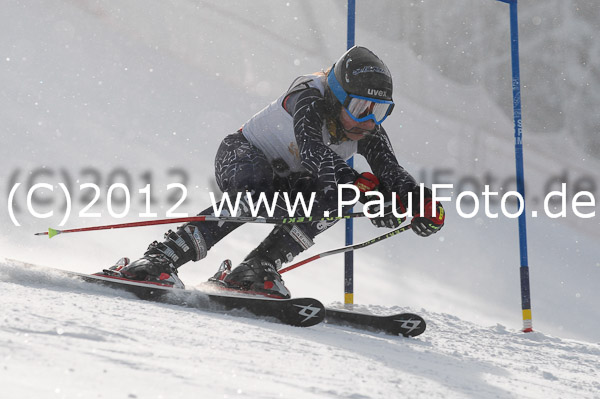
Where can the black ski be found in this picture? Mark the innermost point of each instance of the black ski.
(301, 312)
(406, 324)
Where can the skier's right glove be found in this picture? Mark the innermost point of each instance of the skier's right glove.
(388, 219)
(369, 182)
(366, 182)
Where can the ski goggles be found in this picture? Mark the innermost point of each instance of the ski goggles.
(360, 108)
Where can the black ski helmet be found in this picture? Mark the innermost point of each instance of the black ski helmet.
(360, 72)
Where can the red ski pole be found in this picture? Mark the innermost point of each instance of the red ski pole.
(204, 218)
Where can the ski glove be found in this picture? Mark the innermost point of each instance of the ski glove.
(423, 223)
(388, 219)
(369, 182)
(366, 182)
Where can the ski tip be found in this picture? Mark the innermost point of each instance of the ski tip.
(52, 232)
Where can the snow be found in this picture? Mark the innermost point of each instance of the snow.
(66, 339)
(110, 91)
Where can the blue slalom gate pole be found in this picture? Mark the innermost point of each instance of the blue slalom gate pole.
(516, 88)
(349, 256)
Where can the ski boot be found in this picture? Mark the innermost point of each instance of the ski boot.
(258, 272)
(253, 276)
(161, 260)
(154, 268)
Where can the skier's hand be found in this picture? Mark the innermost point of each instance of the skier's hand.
(424, 224)
(366, 182)
(388, 219)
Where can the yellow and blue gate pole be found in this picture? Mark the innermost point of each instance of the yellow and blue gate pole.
(518, 122)
(349, 256)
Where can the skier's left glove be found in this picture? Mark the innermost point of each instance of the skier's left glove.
(431, 219)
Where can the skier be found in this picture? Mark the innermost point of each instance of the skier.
(298, 144)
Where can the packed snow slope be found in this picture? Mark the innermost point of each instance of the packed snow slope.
(67, 339)
(142, 92)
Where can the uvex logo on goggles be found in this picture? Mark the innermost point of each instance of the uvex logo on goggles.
(360, 108)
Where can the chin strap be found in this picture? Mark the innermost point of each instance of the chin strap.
(354, 130)
(336, 131)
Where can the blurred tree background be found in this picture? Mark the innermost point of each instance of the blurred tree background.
(559, 48)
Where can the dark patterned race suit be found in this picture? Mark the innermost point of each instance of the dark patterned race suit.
(241, 166)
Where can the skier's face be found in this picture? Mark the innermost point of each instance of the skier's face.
(355, 130)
